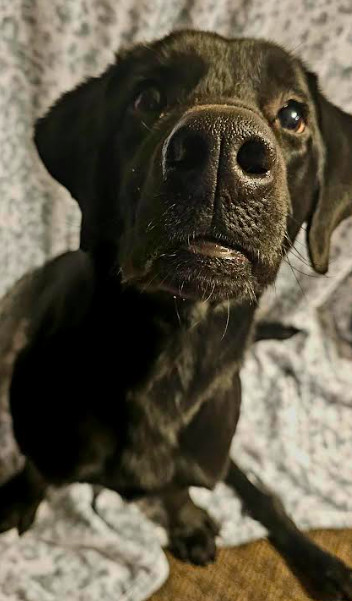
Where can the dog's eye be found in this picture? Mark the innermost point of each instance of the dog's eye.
(150, 100)
(292, 117)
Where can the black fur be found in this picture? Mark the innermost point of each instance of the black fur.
(130, 379)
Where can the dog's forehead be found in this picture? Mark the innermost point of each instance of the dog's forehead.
(245, 67)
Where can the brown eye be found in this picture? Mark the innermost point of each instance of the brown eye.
(292, 117)
(149, 100)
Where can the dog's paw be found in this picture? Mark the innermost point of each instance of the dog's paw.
(20, 497)
(323, 575)
(192, 536)
(331, 580)
(19, 515)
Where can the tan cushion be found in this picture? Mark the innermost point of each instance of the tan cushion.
(253, 572)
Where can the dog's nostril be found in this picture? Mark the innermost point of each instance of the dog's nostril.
(254, 157)
(185, 150)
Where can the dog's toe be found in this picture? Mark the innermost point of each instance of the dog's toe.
(193, 540)
(336, 581)
(326, 577)
(19, 515)
(19, 500)
(196, 547)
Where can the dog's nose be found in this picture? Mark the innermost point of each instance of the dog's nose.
(254, 157)
(207, 136)
(186, 150)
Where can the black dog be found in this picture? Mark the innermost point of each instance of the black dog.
(195, 160)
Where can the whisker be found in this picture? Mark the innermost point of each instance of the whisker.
(251, 293)
(294, 49)
(146, 126)
(299, 257)
(302, 226)
(308, 275)
(296, 278)
(181, 288)
(296, 253)
(211, 294)
(177, 311)
(227, 321)
(148, 284)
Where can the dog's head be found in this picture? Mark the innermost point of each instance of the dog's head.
(197, 159)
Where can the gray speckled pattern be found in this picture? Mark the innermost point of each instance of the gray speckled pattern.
(295, 428)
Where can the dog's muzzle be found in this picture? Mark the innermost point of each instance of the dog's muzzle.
(218, 199)
(211, 137)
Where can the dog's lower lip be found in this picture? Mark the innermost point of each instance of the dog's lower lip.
(216, 250)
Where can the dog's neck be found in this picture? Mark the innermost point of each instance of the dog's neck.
(173, 313)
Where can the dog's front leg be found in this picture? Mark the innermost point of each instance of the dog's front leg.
(20, 497)
(325, 576)
(191, 530)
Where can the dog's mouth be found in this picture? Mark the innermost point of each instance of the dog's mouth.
(217, 249)
(201, 268)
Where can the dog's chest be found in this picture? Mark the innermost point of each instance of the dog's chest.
(195, 368)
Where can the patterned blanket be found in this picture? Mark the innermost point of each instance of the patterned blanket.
(295, 427)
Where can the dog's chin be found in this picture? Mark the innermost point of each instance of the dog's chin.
(204, 271)
(205, 289)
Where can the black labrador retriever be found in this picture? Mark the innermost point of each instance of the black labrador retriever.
(195, 160)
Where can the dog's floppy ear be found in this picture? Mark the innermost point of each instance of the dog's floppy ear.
(334, 200)
(70, 136)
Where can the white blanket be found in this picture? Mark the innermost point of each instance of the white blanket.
(295, 427)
